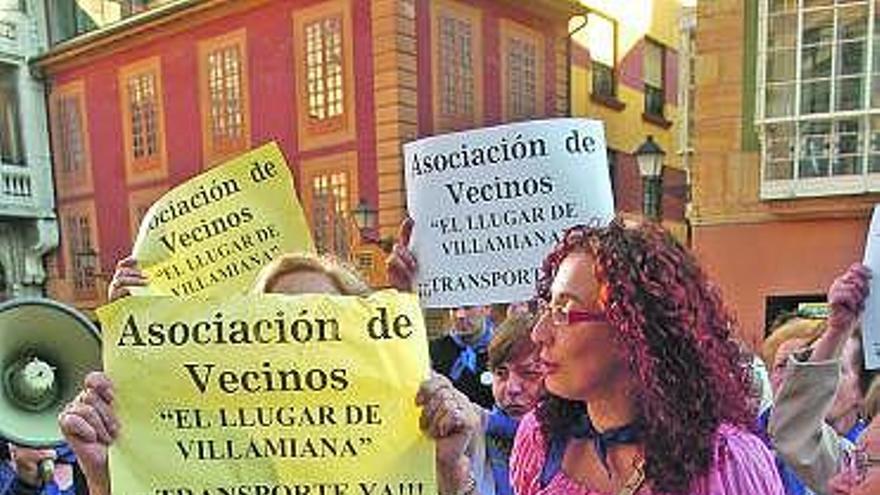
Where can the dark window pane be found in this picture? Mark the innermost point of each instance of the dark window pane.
(851, 58)
(653, 101)
(816, 62)
(815, 142)
(849, 93)
(815, 96)
(847, 165)
(603, 80)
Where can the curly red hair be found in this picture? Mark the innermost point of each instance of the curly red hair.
(670, 323)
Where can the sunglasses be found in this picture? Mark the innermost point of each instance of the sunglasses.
(560, 316)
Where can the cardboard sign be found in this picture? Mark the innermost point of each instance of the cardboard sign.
(871, 318)
(489, 204)
(264, 394)
(213, 233)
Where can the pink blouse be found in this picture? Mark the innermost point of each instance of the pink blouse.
(743, 466)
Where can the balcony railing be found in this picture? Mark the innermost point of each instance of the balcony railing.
(17, 191)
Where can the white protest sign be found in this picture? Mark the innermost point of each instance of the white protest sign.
(490, 203)
(871, 319)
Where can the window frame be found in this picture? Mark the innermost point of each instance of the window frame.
(17, 139)
(341, 128)
(327, 165)
(510, 30)
(829, 185)
(76, 211)
(70, 182)
(474, 17)
(154, 167)
(615, 33)
(648, 41)
(211, 155)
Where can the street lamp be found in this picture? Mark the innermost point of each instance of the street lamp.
(650, 158)
(365, 217)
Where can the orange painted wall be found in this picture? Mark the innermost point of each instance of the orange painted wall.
(753, 261)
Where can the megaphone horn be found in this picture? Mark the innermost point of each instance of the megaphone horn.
(30, 383)
(46, 350)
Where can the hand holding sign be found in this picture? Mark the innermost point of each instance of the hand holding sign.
(846, 298)
(401, 264)
(126, 277)
(89, 425)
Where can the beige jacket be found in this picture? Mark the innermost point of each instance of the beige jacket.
(797, 424)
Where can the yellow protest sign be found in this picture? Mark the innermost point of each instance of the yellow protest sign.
(213, 233)
(268, 395)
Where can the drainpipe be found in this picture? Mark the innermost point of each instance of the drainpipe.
(568, 62)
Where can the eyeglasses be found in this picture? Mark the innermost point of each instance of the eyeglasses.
(563, 316)
(858, 462)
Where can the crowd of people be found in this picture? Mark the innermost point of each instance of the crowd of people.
(623, 376)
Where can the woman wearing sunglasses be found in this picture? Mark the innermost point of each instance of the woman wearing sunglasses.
(646, 391)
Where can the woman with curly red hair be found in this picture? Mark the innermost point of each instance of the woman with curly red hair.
(646, 390)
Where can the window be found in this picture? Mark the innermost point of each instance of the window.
(224, 96)
(142, 103)
(458, 75)
(70, 134)
(82, 255)
(817, 90)
(522, 78)
(324, 68)
(653, 67)
(457, 68)
(601, 35)
(10, 131)
(330, 184)
(324, 89)
(142, 120)
(329, 212)
(522, 65)
(70, 139)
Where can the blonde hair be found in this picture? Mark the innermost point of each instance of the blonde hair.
(808, 329)
(344, 278)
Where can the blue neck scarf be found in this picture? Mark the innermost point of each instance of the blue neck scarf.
(603, 440)
(467, 353)
(856, 431)
(500, 432)
(583, 429)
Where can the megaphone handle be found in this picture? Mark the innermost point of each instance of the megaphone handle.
(46, 470)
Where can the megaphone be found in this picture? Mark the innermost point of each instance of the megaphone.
(46, 350)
